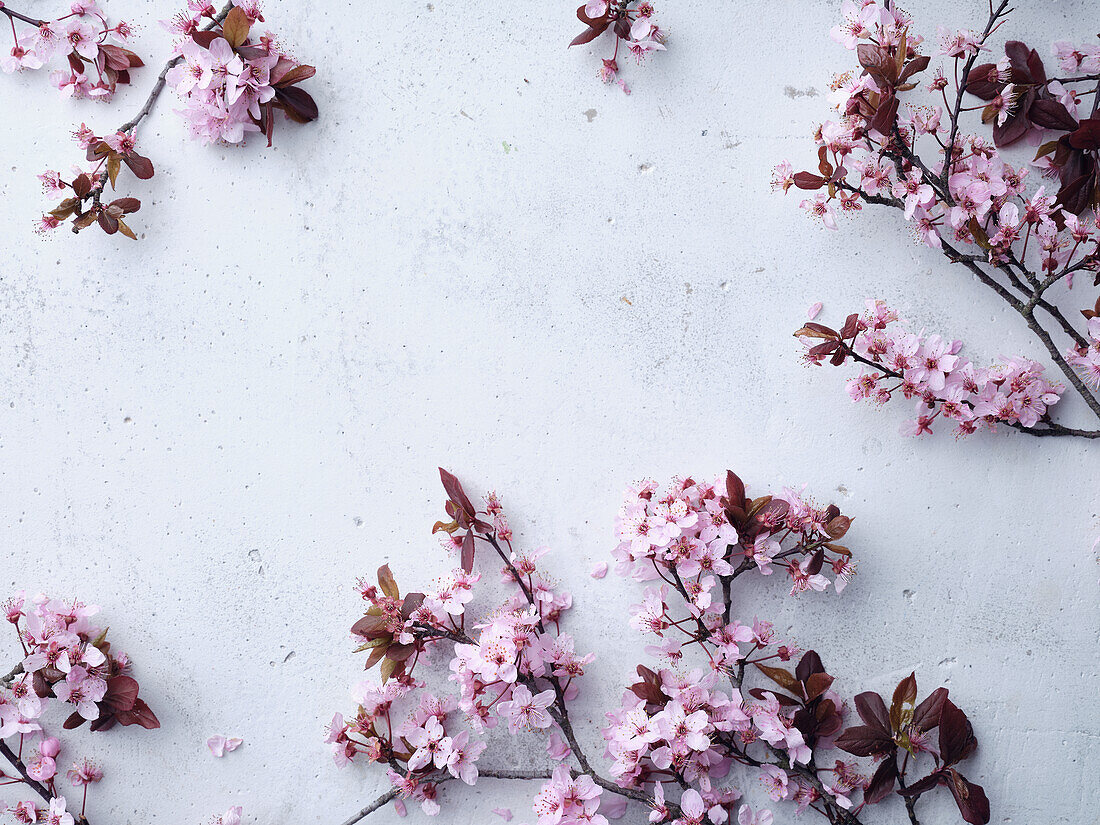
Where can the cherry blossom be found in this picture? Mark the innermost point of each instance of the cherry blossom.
(632, 26)
(900, 139)
(722, 691)
(930, 371)
(230, 80)
(96, 62)
(65, 664)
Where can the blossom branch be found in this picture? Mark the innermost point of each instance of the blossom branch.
(9, 677)
(22, 17)
(390, 795)
(36, 786)
(231, 80)
(675, 728)
(131, 125)
(972, 198)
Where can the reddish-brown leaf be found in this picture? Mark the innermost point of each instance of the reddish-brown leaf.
(872, 710)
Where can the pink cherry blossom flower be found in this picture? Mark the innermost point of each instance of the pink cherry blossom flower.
(692, 808)
(525, 710)
(41, 767)
(84, 773)
(57, 815)
(819, 207)
(83, 691)
(20, 57)
(81, 38)
(463, 756)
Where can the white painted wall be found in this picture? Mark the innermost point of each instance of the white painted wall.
(482, 257)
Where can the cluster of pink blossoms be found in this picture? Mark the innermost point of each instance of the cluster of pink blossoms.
(511, 669)
(230, 85)
(681, 729)
(930, 370)
(67, 662)
(96, 61)
(632, 26)
(83, 194)
(678, 724)
(964, 198)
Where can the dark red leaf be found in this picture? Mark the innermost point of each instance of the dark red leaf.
(649, 692)
(885, 116)
(864, 740)
(971, 798)
(297, 102)
(808, 665)
(1019, 58)
(984, 81)
(956, 734)
(75, 720)
(141, 715)
(127, 205)
(784, 678)
(204, 38)
(1087, 134)
(915, 66)
(141, 166)
(1007, 133)
(295, 75)
(904, 694)
(411, 602)
(883, 780)
(108, 223)
(808, 180)
(370, 627)
(924, 785)
(589, 34)
(122, 693)
(468, 552)
(82, 185)
(735, 489)
(872, 710)
(592, 21)
(1050, 114)
(454, 490)
(926, 715)
(817, 684)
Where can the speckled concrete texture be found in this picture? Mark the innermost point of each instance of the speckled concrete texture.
(483, 258)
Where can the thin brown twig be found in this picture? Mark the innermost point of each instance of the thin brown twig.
(29, 20)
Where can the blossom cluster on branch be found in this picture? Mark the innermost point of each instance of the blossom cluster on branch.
(900, 141)
(630, 24)
(96, 63)
(231, 81)
(931, 371)
(66, 664)
(723, 690)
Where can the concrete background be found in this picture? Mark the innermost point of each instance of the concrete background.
(483, 258)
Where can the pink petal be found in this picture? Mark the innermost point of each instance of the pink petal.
(814, 310)
(504, 813)
(600, 570)
(216, 745)
(233, 743)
